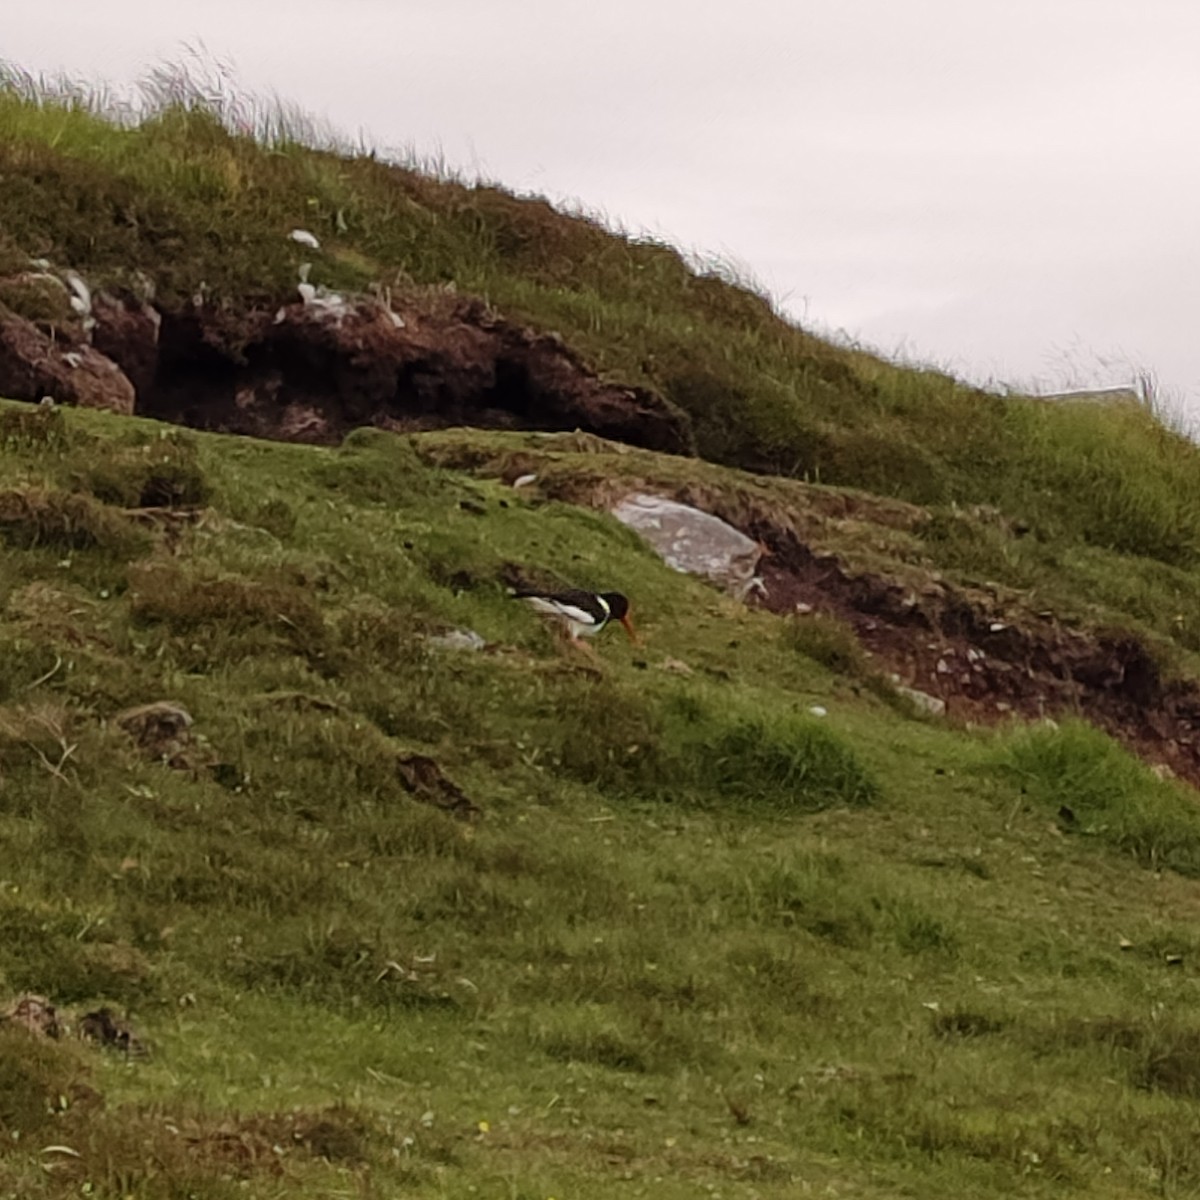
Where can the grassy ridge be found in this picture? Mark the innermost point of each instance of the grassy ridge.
(180, 200)
(700, 940)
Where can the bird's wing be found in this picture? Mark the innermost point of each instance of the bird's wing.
(561, 607)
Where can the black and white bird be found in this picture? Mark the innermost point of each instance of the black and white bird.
(583, 614)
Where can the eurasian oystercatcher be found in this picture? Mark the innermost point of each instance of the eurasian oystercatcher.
(582, 613)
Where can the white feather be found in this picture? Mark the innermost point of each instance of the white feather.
(578, 620)
(552, 608)
(81, 300)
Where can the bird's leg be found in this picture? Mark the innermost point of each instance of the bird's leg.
(586, 647)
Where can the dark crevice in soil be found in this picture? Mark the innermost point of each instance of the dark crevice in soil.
(306, 374)
(313, 371)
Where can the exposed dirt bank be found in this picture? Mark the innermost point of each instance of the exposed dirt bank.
(312, 370)
(988, 660)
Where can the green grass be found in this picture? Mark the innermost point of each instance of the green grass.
(1084, 776)
(700, 941)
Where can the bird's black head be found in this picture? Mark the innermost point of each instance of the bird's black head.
(618, 610)
(618, 605)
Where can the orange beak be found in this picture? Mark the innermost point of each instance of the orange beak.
(629, 629)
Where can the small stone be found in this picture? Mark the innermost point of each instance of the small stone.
(36, 1014)
(932, 706)
(676, 666)
(458, 639)
(162, 731)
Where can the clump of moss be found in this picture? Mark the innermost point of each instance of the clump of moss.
(38, 1080)
(34, 428)
(162, 473)
(230, 616)
(33, 516)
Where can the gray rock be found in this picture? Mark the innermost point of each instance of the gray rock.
(457, 639)
(931, 705)
(692, 541)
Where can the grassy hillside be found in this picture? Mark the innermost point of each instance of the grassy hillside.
(718, 915)
(179, 202)
(698, 940)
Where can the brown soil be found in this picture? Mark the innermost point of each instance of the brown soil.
(34, 364)
(311, 372)
(423, 778)
(34, 1013)
(987, 660)
(107, 1029)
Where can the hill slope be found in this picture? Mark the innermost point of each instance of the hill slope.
(344, 908)
(181, 209)
(695, 938)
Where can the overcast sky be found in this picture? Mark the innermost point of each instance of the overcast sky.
(1007, 188)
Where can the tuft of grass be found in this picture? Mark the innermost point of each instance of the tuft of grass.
(1110, 476)
(162, 472)
(373, 467)
(45, 956)
(39, 1080)
(829, 641)
(641, 1042)
(610, 736)
(604, 1046)
(965, 1023)
(1105, 792)
(789, 763)
(225, 617)
(43, 300)
(816, 893)
(33, 428)
(34, 517)
(1162, 1055)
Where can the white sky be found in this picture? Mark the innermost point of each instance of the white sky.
(1007, 188)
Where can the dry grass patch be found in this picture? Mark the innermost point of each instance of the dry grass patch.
(39, 1081)
(228, 617)
(33, 517)
(34, 428)
(163, 472)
